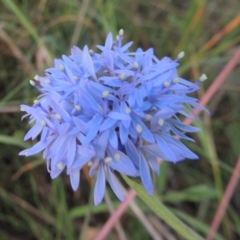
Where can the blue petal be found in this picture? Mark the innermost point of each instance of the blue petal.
(119, 116)
(155, 150)
(108, 59)
(93, 128)
(123, 134)
(109, 41)
(163, 145)
(107, 123)
(113, 140)
(132, 152)
(102, 144)
(117, 189)
(38, 147)
(153, 163)
(75, 179)
(34, 131)
(71, 150)
(99, 186)
(55, 171)
(184, 127)
(81, 125)
(124, 165)
(145, 174)
(88, 63)
(146, 134)
(59, 109)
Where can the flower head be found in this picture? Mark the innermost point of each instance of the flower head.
(115, 110)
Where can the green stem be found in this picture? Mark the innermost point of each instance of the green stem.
(88, 214)
(163, 212)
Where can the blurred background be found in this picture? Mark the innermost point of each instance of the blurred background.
(33, 33)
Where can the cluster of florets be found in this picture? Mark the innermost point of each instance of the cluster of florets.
(115, 111)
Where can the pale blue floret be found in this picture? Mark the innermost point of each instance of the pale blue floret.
(117, 111)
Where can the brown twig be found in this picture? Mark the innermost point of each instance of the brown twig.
(225, 201)
(17, 52)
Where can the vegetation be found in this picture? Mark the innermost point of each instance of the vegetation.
(33, 33)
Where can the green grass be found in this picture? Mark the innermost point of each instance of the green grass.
(32, 33)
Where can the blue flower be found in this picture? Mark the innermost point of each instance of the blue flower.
(115, 110)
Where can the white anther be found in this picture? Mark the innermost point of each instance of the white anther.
(61, 67)
(75, 78)
(128, 110)
(121, 32)
(123, 76)
(47, 80)
(91, 52)
(21, 109)
(32, 82)
(107, 159)
(117, 156)
(160, 121)
(36, 77)
(176, 80)
(90, 163)
(166, 84)
(181, 55)
(58, 116)
(148, 117)
(78, 107)
(43, 123)
(36, 101)
(60, 166)
(136, 65)
(154, 108)
(105, 94)
(139, 128)
(117, 37)
(203, 77)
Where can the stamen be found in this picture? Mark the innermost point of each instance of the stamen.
(60, 165)
(117, 37)
(91, 52)
(160, 121)
(105, 94)
(136, 65)
(123, 76)
(90, 163)
(32, 82)
(58, 116)
(128, 110)
(148, 117)
(121, 32)
(43, 123)
(78, 107)
(203, 77)
(47, 80)
(139, 128)
(166, 84)
(75, 78)
(107, 159)
(61, 67)
(181, 55)
(176, 80)
(117, 156)
(36, 101)
(36, 77)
